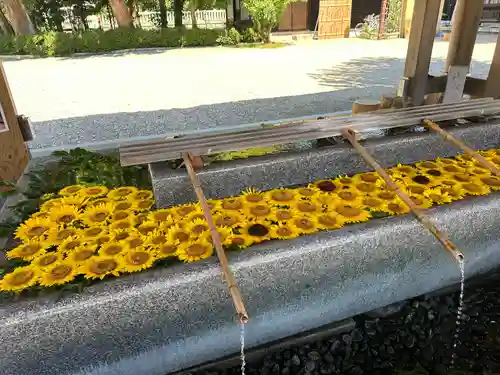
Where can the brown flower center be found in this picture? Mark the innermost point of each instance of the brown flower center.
(496, 160)
(304, 223)
(369, 177)
(282, 196)
(168, 249)
(66, 219)
(326, 186)
(158, 240)
(434, 172)
(417, 200)
(121, 236)
(258, 230)
(143, 195)
(135, 242)
(306, 207)
(139, 257)
(345, 180)
(122, 206)
(21, 277)
(113, 249)
(283, 215)
(327, 220)
(37, 231)
(407, 170)
(47, 260)
(306, 192)
(123, 192)
(466, 157)
(447, 161)
(93, 232)
(121, 215)
(238, 241)
(72, 244)
(429, 165)
(122, 225)
(161, 215)
(146, 229)
(73, 189)
(93, 191)
(102, 267)
(387, 195)
(284, 231)
(226, 221)
(461, 177)
(181, 236)
(100, 216)
(29, 250)
(141, 218)
(473, 188)
(232, 204)
(60, 272)
(82, 255)
(199, 228)
(416, 189)
(421, 180)
(142, 205)
(103, 240)
(396, 207)
(372, 202)
(63, 234)
(451, 169)
(260, 210)
(348, 211)
(491, 181)
(347, 195)
(196, 250)
(254, 198)
(366, 187)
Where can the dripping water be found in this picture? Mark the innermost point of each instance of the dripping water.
(460, 310)
(242, 347)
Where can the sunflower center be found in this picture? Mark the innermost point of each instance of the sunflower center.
(417, 200)
(103, 239)
(369, 177)
(122, 206)
(435, 197)
(306, 207)
(416, 189)
(21, 277)
(347, 195)
(37, 231)
(123, 225)
(282, 196)
(473, 188)
(395, 207)
(121, 236)
(260, 210)
(103, 266)
(254, 198)
(283, 215)
(93, 191)
(434, 172)
(451, 169)
(31, 249)
(168, 249)
(326, 186)
(306, 192)
(139, 257)
(366, 187)
(461, 177)
(284, 231)
(141, 218)
(421, 180)
(66, 219)
(466, 157)
(72, 189)
(258, 230)
(327, 220)
(135, 242)
(144, 204)
(199, 228)
(183, 211)
(113, 249)
(121, 215)
(181, 236)
(447, 161)
(345, 180)
(100, 216)
(372, 202)
(428, 165)
(93, 231)
(496, 160)
(72, 245)
(231, 204)
(60, 271)
(122, 192)
(304, 223)
(196, 250)
(491, 181)
(238, 241)
(226, 221)
(82, 255)
(47, 260)
(143, 195)
(387, 195)
(161, 216)
(348, 211)
(158, 240)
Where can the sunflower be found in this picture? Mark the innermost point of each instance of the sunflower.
(122, 192)
(404, 171)
(137, 260)
(455, 191)
(349, 197)
(345, 180)
(421, 179)
(81, 254)
(122, 215)
(197, 227)
(241, 241)
(41, 215)
(351, 214)
(74, 200)
(229, 219)
(99, 267)
(64, 214)
(305, 224)
(465, 158)
(386, 195)
(284, 214)
(122, 225)
(123, 234)
(305, 207)
(452, 168)
(177, 234)
(102, 239)
(421, 201)
(143, 204)
(365, 187)
(327, 186)
(445, 161)
(496, 161)
(414, 189)
(71, 243)
(19, 279)
(492, 182)
(50, 204)
(134, 242)
(396, 208)
(475, 188)
(434, 174)
(281, 197)
(256, 231)
(253, 196)
(438, 196)
(124, 205)
(47, 260)
(325, 200)
(193, 251)
(28, 250)
(368, 178)
(97, 215)
(258, 211)
(93, 191)
(34, 229)
(307, 192)
(478, 170)
(141, 218)
(70, 190)
(141, 195)
(165, 250)
(112, 248)
(59, 274)
(372, 203)
(58, 234)
(225, 235)
(183, 210)
(284, 231)
(160, 215)
(426, 165)
(196, 215)
(329, 221)
(147, 227)
(97, 202)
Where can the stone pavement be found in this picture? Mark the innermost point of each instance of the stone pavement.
(108, 97)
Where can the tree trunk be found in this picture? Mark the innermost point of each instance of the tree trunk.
(5, 25)
(163, 14)
(192, 8)
(121, 13)
(178, 5)
(18, 17)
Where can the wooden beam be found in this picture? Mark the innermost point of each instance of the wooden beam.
(493, 82)
(467, 17)
(14, 155)
(418, 57)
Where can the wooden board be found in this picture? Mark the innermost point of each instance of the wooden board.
(334, 19)
(13, 152)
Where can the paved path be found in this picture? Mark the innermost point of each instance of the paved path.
(75, 100)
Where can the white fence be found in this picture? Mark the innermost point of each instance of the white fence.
(206, 19)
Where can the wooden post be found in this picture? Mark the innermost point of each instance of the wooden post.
(493, 81)
(14, 155)
(406, 16)
(383, 16)
(418, 57)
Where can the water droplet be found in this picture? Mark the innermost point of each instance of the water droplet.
(461, 263)
(242, 348)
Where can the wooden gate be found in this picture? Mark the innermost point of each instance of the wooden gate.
(334, 19)
(294, 17)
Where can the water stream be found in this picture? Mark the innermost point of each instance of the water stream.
(460, 310)
(242, 347)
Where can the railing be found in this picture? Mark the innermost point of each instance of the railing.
(492, 2)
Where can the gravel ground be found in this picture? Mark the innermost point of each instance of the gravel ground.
(101, 98)
(416, 340)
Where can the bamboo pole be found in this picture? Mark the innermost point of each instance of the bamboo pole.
(228, 275)
(450, 138)
(424, 219)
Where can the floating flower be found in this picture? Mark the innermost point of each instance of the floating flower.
(73, 200)
(197, 227)
(372, 203)
(49, 205)
(284, 231)
(305, 224)
(478, 170)
(19, 279)
(41, 215)
(465, 158)
(147, 227)
(92, 233)
(64, 214)
(365, 187)
(178, 234)
(122, 192)
(112, 248)
(97, 215)
(122, 234)
(284, 214)
(345, 180)
(137, 260)
(225, 235)
(404, 170)
(102, 239)
(305, 207)
(351, 197)
(240, 241)
(421, 201)
(257, 232)
(47, 260)
(252, 196)
(143, 204)
(420, 179)
(425, 165)
(193, 251)
(438, 196)
(281, 197)
(160, 215)
(28, 250)
(71, 243)
(59, 274)
(97, 202)
(186, 209)
(308, 192)
(134, 242)
(101, 266)
(34, 229)
(445, 162)
(229, 219)
(141, 218)
(166, 250)
(351, 214)
(93, 191)
(81, 254)
(58, 234)
(156, 237)
(327, 186)
(371, 178)
(141, 195)
(122, 215)
(452, 168)
(70, 190)
(122, 225)
(434, 174)
(415, 189)
(473, 188)
(386, 195)
(125, 205)
(492, 182)
(257, 211)
(396, 208)
(329, 221)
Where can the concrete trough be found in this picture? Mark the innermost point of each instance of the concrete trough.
(169, 319)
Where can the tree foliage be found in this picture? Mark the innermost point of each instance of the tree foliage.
(266, 14)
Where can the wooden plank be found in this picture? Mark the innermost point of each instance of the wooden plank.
(418, 57)
(492, 88)
(14, 155)
(473, 86)
(455, 84)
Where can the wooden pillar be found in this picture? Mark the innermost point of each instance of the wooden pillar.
(13, 152)
(418, 57)
(406, 14)
(493, 81)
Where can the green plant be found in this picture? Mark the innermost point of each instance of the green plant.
(265, 15)
(249, 35)
(230, 37)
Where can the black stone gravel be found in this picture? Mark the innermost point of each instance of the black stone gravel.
(418, 339)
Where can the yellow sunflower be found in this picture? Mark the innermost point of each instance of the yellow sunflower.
(284, 214)
(329, 220)
(143, 204)
(34, 229)
(305, 207)
(147, 227)
(123, 234)
(281, 197)
(256, 231)
(122, 225)
(28, 250)
(415, 189)
(327, 186)
(141, 218)
(404, 170)
(165, 250)
(367, 178)
(124, 205)
(386, 195)
(47, 260)
(229, 219)
(123, 192)
(97, 215)
(372, 203)
(478, 170)
(322, 199)
(240, 241)
(73, 200)
(156, 237)
(99, 267)
(492, 182)
(232, 204)
(351, 214)
(97, 202)
(141, 195)
(50, 204)
(19, 279)
(258, 211)
(307, 192)
(197, 227)
(452, 168)
(193, 251)
(102, 239)
(92, 233)
(184, 210)
(58, 234)
(71, 243)
(465, 158)
(425, 165)
(438, 196)
(41, 215)
(70, 190)
(137, 260)
(305, 224)
(350, 197)
(123, 215)
(93, 191)
(195, 215)
(225, 235)
(284, 231)
(345, 180)
(160, 215)
(421, 201)
(178, 234)
(396, 208)
(81, 254)
(253, 196)
(134, 242)
(112, 248)
(59, 274)
(64, 214)
(475, 188)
